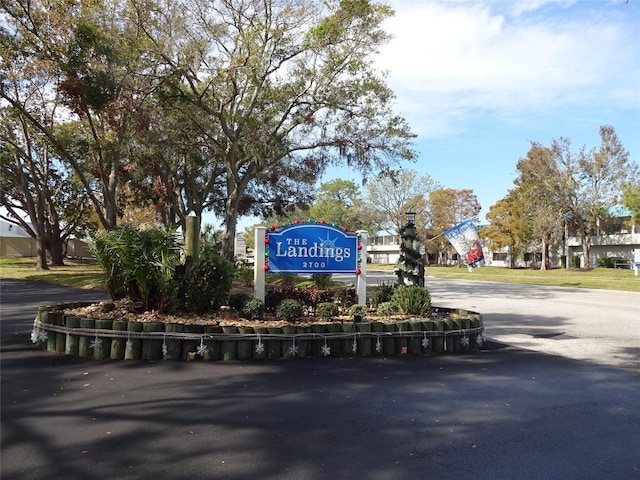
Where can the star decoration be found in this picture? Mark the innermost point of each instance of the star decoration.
(325, 350)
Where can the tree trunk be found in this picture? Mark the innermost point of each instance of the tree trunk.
(234, 192)
(55, 245)
(586, 250)
(544, 264)
(228, 235)
(41, 254)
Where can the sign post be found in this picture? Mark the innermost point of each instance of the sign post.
(258, 263)
(361, 279)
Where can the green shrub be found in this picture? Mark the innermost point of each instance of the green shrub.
(253, 309)
(313, 296)
(327, 310)
(140, 263)
(237, 301)
(358, 309)
(383, 292)
(412, 300)
(208, 282)
(387, 308)
(245, 276)
(275, 295)
(609, 262)
(290, 310)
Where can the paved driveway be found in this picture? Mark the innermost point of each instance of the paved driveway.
(599, 326)
(503, 413)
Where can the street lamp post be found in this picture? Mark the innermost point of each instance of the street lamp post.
(410, 257)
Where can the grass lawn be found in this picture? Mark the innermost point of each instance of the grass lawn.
(87, 274)
(603, 278)
(75, 273)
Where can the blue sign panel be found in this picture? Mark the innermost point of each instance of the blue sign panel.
(312, 248)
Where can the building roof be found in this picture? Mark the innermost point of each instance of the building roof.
(9, 230)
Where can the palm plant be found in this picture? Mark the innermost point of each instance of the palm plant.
(140, 263)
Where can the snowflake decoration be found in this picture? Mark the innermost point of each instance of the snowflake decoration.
(259, 346)
(129, 346)
(293, 349)
(202, 348)
(464, 341)
(425, 342)
(378, 345)
(354, 347)
(67, 349)
(325, 349)
(95, 343)
(165, 349)
(43, 335)
(480, 340)
(34, 335)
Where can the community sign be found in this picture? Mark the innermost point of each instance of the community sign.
(312, 248)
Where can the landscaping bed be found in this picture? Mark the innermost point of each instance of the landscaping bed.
(116, 331)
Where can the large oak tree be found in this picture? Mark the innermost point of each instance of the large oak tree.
(278, 90)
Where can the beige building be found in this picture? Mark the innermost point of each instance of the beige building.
(16, 242)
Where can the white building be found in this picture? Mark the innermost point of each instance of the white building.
(614, 238)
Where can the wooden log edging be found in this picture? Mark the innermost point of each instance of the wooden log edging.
(415, 337)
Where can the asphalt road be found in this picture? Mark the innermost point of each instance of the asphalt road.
(502, 413)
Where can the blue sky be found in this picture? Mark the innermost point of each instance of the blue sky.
(479, 80)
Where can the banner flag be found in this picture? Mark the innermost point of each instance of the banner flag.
(464, 237)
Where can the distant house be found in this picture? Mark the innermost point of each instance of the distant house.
(16, 242)
(384, 248)
(614, 237)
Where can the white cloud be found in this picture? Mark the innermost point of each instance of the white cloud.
(449, 60)
(522, 7)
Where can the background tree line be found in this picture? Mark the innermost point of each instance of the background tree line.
(559, 191)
